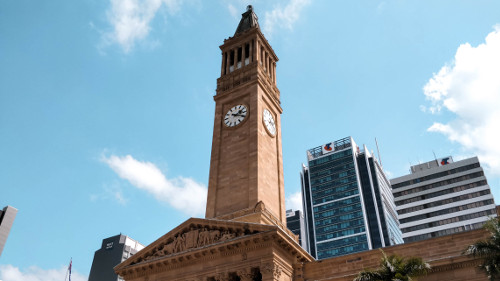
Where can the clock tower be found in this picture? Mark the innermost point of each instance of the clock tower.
(246, 167)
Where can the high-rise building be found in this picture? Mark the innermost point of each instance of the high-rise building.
(113, 251)
(296, 223)
(347, 201)
(7, 216)
(442, 197)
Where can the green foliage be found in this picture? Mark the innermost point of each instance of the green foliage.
(395, 268)
(488, 250)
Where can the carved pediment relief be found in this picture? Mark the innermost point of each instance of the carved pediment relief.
(194, 238)
(195, 234)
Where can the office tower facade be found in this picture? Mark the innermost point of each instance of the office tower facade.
(113, 251)
(7, 216)
(296, 223)
(442, 197)
(348, 202)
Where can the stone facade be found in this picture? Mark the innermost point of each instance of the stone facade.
(244, 235)
(213, 250)
(444, 254)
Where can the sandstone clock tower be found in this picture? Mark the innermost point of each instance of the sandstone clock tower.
(244, 235)
(246, 169)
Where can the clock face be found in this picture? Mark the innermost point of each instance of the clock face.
(235, 115)
(269, 122)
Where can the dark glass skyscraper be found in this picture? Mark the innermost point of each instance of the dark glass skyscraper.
(348, 202)
(296, 223)
(113, 251)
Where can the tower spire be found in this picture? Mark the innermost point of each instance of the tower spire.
(248, 20)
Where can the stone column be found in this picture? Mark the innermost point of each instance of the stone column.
(243, 53)
(256, 51)
(228, 54)
(274, 72)
(222, 65)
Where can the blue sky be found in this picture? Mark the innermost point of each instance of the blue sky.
(106, 108)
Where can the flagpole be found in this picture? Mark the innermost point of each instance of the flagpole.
(68, 272)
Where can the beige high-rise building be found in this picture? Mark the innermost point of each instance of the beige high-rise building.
(244, 236)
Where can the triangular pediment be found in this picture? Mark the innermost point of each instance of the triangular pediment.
(193, 235)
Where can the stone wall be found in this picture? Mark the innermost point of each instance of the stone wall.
(444, 254)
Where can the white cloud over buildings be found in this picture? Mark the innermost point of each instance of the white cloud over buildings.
(469, 87)
(294, 201)
(183, 194)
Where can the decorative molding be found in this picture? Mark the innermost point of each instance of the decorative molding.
(195, 237)
(272, 269)
(455, 265)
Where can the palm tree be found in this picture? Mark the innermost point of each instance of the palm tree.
(395, 268)
(488, 250)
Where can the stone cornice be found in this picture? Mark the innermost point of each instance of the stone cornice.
(239, 245)
(233, 238)
(235, 41)
(242, 78)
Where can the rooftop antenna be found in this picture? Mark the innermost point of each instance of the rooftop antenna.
(435, 158)
(378, 152)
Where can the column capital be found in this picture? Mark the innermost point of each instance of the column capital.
(271, 271)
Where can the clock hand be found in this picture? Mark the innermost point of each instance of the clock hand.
(238, 114)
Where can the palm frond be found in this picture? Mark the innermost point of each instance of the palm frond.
(368, 276)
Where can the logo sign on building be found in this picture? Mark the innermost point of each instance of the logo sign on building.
(445, 161)
(109, 245)
(327, 148)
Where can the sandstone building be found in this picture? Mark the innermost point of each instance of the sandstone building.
(244, 236)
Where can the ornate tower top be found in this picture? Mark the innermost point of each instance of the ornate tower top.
(248, 20)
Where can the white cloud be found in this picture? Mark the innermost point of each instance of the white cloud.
(470, 89)
(294, 201)
(283, 17)
(131, 19)
(33, 273)
(233, 11)
(184, 194)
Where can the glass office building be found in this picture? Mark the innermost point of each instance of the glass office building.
(296, 224)
(113, 251)
(348, 202)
